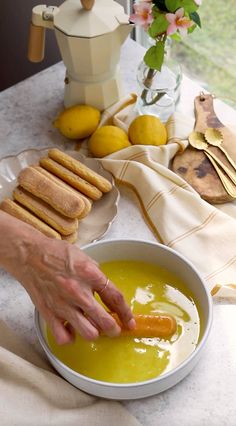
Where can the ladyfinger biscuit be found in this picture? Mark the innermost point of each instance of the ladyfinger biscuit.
(64, 225)
(60, 171)
(44, 188)
(72, 238)
(14, 209)
(87, 202)
(149, 326)
(80, 169)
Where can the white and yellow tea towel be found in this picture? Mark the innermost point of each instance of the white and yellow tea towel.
(180, 219)
(32, 393)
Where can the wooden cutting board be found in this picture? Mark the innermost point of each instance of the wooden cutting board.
(194, 166)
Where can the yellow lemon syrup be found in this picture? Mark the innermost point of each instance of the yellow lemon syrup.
(148, 289)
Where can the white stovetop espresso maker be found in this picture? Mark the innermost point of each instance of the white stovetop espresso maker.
(89, 34)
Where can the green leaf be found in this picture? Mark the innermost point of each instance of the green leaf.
(154, 56)
(172, 5)
(191, 29)
(158, 26)
(195, 18)
(188, 5)
(156, 12)
(176, 37)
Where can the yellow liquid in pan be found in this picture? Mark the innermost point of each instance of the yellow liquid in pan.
(148, 289)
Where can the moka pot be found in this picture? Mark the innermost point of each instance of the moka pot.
(89, 35)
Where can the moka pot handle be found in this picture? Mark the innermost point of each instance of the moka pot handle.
(42, 18)
(36, 43)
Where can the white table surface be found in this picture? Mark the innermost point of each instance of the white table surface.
(207, 397)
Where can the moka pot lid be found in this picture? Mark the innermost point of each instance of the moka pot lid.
(75, 21)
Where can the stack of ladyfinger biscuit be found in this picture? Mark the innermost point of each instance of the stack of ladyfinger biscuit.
(56, 194)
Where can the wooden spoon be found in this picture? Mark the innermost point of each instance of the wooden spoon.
(215, 138)
(197, 140)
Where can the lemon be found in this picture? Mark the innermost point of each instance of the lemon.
(106, 140)
(147, 130)
(78, 121)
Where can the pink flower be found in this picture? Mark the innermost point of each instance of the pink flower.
(198, 2)
(178, 22)
(143, 14)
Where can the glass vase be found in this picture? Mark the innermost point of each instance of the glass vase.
(159, 91)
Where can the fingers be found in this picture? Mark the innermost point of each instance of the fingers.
(89, 322)
(88, 317)
(115, 301)
(103, 320)
(112, 297)
(82, 325)
(62, 333)
(68, 296)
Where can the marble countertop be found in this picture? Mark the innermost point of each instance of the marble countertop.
(207, 396)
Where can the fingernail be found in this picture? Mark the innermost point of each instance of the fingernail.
(131, 324)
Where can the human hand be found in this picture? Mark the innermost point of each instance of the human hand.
(61, 281)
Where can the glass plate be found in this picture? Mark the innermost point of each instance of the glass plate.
(103, 211)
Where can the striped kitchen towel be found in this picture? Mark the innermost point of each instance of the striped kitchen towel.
(178, 216)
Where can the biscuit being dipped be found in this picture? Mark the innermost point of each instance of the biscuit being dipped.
(80, 169)
(149, 326)
(57, 197)
(14, 209)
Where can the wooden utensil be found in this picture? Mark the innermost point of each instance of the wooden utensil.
(214, 138)
(195, 167)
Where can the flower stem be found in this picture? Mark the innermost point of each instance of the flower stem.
(148, 80)
(148, 83)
